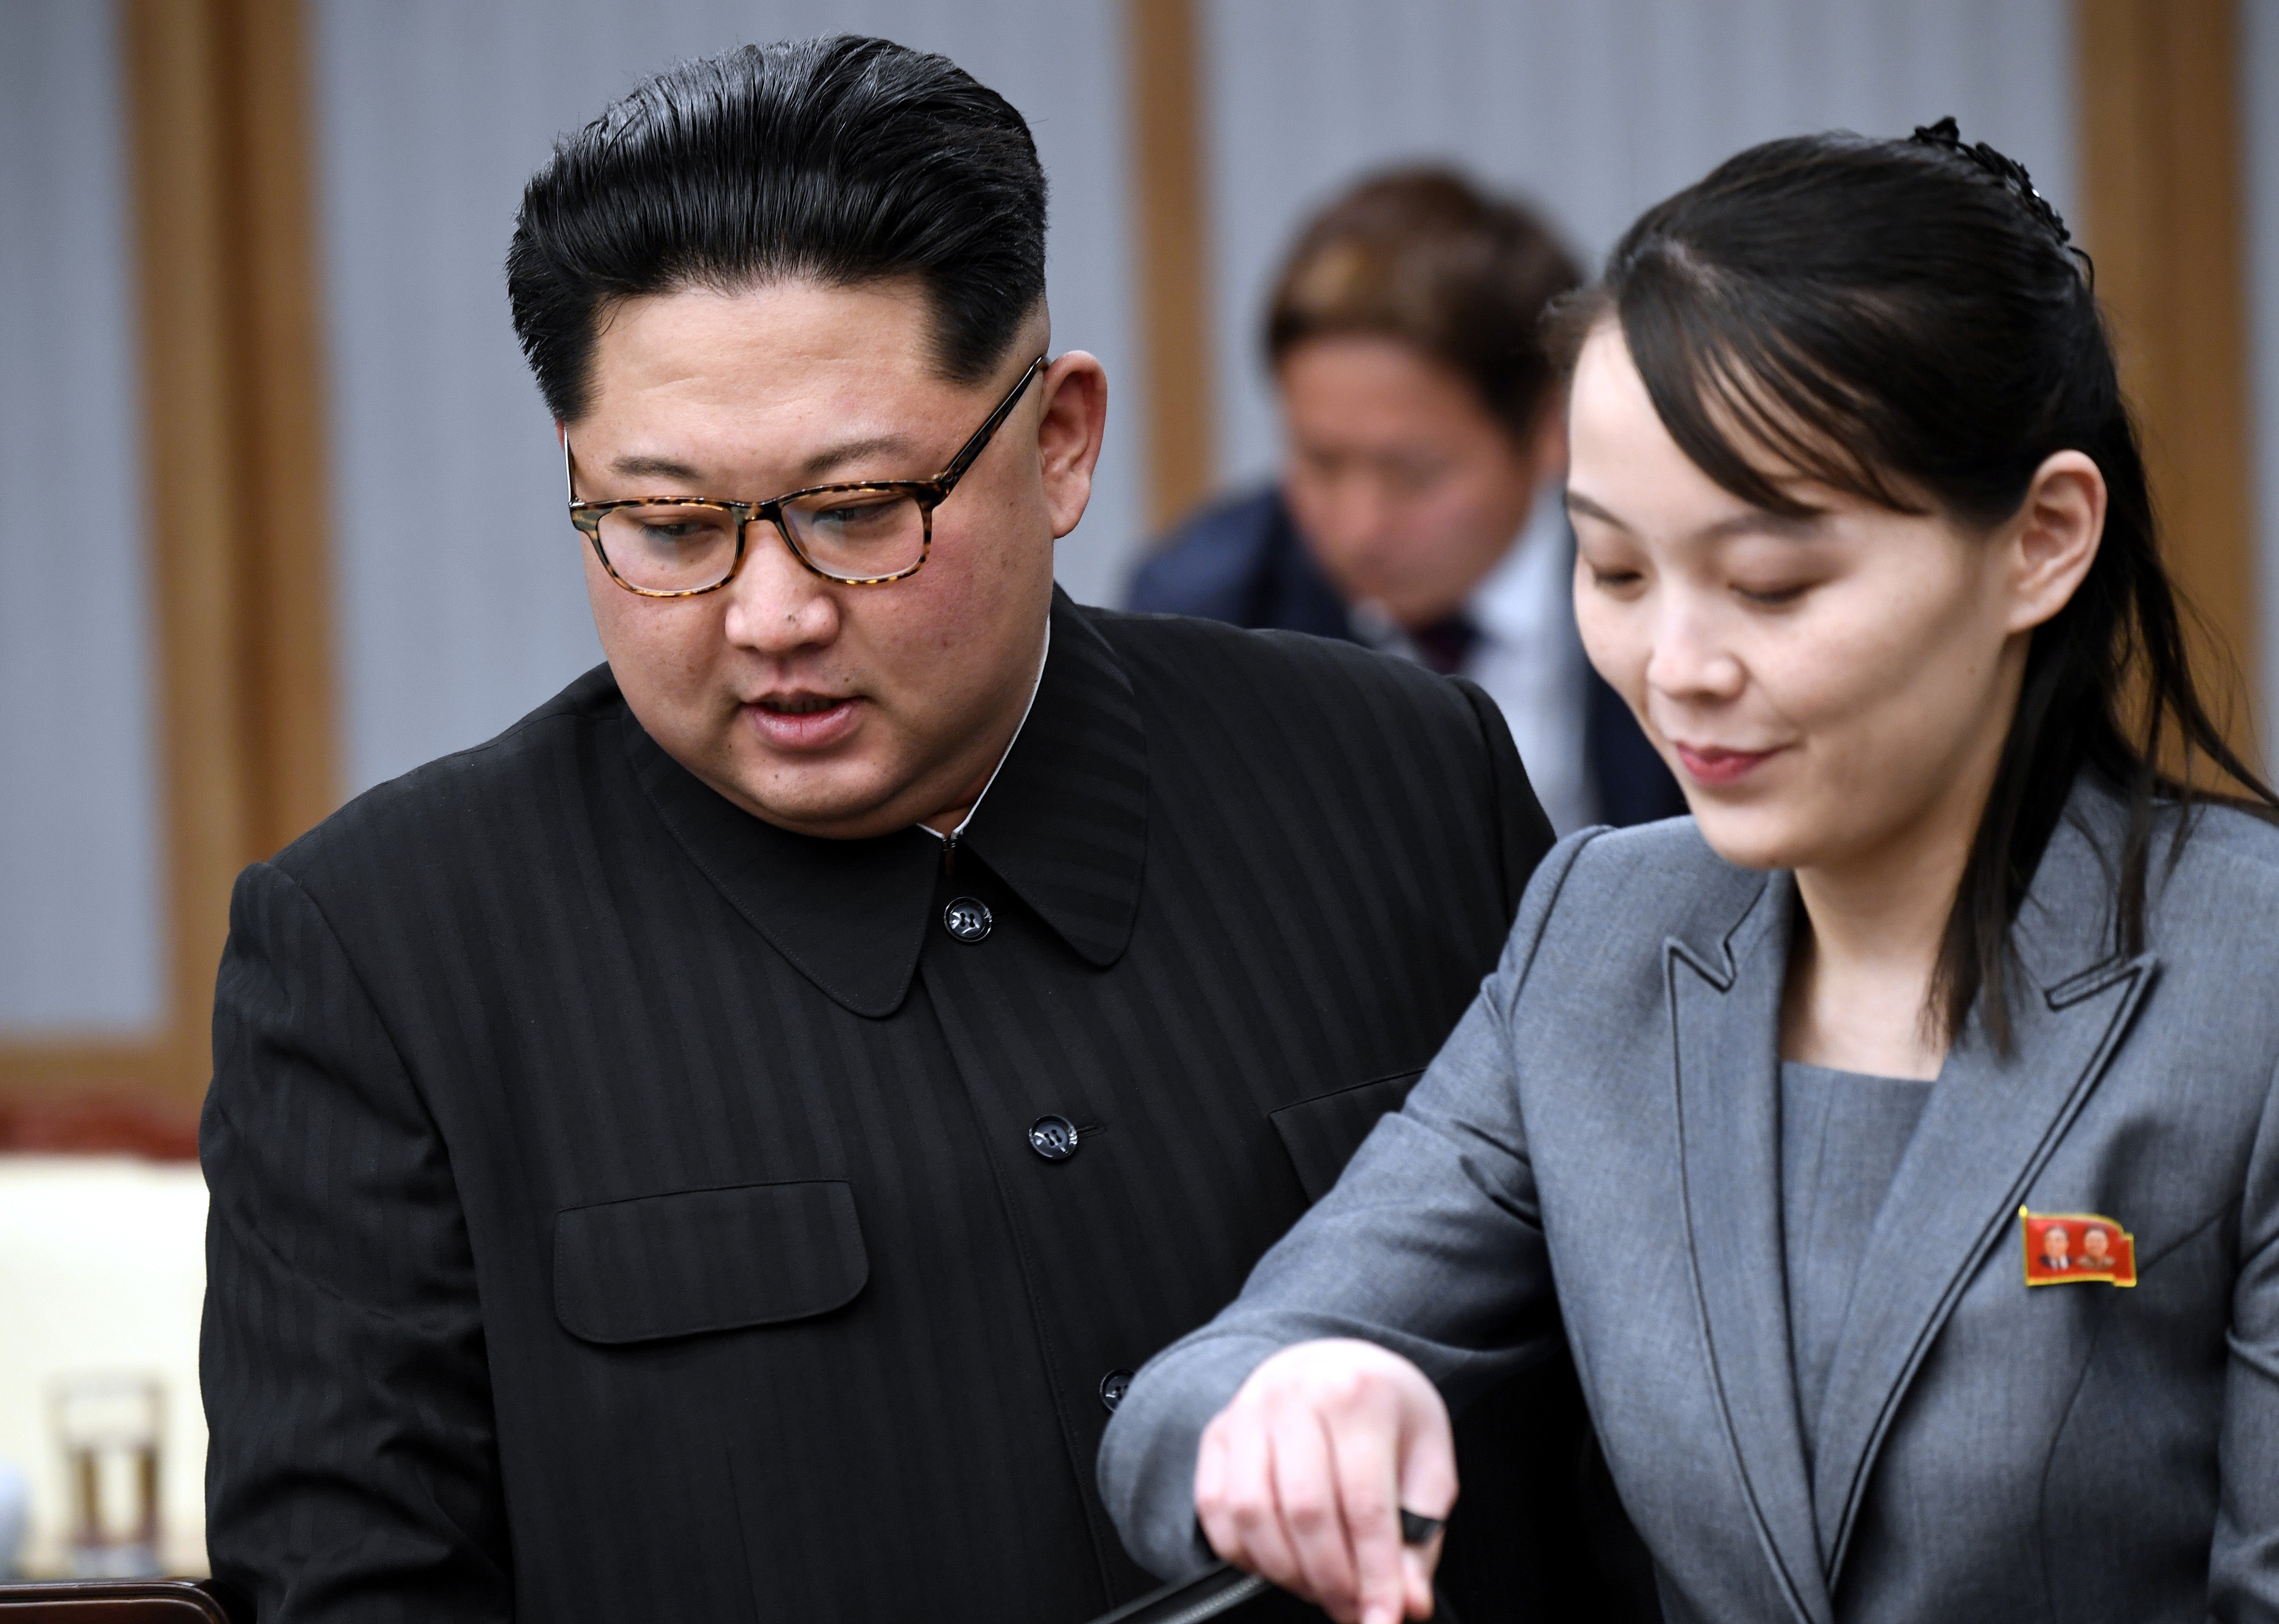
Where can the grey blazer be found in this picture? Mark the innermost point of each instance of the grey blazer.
(1603, 1126)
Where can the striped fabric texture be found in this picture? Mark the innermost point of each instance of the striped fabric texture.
(625, 1209)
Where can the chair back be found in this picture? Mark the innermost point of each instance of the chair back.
(112, 1601)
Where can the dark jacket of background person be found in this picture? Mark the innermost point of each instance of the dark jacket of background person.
(1607, 1115)
(1243, 562)
(623, 1208)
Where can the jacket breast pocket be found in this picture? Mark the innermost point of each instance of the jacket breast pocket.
(699, 1260)
(1322, 1134)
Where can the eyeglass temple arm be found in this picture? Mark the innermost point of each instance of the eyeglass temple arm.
(963, 460)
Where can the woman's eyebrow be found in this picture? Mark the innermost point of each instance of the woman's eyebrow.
(1577, 502)
(1763, 522)
(1747, 521)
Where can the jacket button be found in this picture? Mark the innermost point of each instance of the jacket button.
(967, 919)
(1113, 1386)
(1052, 1138)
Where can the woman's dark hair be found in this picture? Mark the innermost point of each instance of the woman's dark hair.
(1906, 322)
(843, 160)
(1425, 256)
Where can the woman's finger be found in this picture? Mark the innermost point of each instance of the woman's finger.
(1256, 1539)
(1210, 1488)
(1365, 1435)
(1427, 1486)
(1305, 1491)
(1418, 1563)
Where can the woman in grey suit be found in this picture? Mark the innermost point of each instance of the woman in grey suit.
(1777, 1109)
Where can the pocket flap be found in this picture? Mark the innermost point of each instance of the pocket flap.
(1322, 1134)
(707, 1260)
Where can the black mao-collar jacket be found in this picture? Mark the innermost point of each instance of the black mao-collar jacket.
(625, 1209)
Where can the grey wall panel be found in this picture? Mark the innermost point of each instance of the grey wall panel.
(80, 908)
(2258, 100)
(433, 113)
(1593, 109)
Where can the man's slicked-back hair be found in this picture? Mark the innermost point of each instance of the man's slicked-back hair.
(842, 161)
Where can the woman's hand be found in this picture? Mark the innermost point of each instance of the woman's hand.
(1304, 1476)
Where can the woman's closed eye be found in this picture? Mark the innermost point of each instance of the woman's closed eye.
(1783, 594)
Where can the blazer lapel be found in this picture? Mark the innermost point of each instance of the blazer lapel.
(1725, 1017)
(1991, 1123)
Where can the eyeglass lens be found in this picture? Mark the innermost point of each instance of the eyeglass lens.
(689, 547)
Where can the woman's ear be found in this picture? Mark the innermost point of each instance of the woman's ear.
(2053, 538)
(1069, 434)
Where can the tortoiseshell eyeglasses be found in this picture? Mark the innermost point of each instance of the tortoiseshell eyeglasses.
(862, 534)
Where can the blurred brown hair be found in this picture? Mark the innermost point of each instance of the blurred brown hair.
(1423, 255)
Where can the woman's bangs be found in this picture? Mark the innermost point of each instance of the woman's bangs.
(1750, 406)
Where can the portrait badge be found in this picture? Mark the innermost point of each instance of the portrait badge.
(2069, 1248)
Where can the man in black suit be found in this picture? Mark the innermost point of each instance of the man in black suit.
(717, 1150)
(1418, 508)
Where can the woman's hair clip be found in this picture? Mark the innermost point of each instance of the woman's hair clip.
(2006, 169)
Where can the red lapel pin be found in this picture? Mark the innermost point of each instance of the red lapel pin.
(2063, 1248)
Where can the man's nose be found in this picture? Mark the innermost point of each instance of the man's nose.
(776, 604)
(1359, 519)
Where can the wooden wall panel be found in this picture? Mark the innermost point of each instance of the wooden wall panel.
(287, 677)
(196, 496)
(1175, 284)
(2163, 203)
(235, 511)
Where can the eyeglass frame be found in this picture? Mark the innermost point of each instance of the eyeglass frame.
(928, 493)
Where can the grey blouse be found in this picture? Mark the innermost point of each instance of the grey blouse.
(1842, 1134)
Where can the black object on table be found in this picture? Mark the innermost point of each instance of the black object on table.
(1223, 1591)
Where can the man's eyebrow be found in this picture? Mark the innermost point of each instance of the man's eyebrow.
(852, 450)
(810, 472)
(652, 468)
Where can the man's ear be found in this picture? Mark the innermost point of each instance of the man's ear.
(2053, 538)
(1069, 431)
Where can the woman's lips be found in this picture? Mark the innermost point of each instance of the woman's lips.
(803, 730)
(1713, 767)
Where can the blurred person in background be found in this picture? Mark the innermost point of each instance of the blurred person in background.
(1418, 508)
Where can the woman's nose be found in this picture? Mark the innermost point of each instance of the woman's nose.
(1689, 659)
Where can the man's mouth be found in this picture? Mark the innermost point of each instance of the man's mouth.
(800, 721)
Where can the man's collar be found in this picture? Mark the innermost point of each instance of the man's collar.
(1064, 824)
(1527, 597)
(1036, 682)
